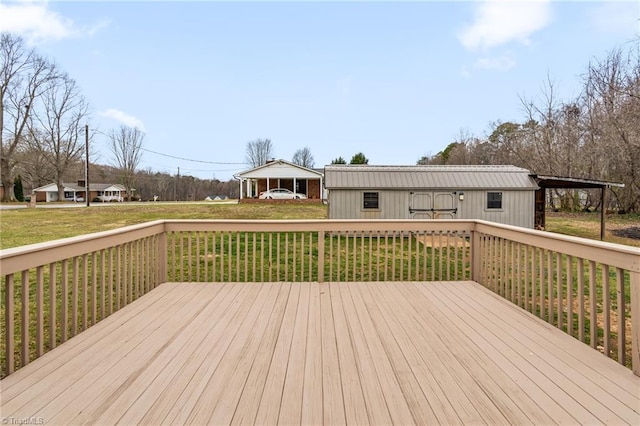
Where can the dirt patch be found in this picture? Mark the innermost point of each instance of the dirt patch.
(437, 242)
(632, 232)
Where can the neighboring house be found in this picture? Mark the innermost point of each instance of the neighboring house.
(503, 194)
(104, 192)
(280, 174)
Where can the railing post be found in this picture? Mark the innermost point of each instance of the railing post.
(9, 325)
(635, 321)
(320, 256)
(162, 258)
(476, 257)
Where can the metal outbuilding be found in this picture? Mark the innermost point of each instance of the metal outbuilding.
(503, 194)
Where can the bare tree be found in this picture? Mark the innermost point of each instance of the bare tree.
(126, 146)
(259, 151)
(34, 166)
(612, 92)
(64, 110)
(304, 158)
(24, 76)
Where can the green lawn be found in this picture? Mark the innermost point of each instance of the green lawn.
(29, 226)
(587, 225)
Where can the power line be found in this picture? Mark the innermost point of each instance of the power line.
(187, 159)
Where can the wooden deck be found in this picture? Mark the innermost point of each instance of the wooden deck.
(380, 353)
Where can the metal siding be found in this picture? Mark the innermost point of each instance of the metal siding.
(517, 208)
(347, 204)
(395, 204)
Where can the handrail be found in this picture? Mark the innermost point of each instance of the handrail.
(590, 289)
(617, 255)
(17, 259)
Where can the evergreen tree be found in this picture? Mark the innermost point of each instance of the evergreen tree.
(359, 158)
(18, 190)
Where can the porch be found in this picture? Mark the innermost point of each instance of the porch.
(313, 322)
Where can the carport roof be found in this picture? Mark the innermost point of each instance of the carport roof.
(573, 183)
(431, 177)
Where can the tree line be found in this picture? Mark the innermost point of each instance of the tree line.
(596, 135)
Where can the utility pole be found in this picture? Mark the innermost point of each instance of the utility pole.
(86, 170)
(175, 186)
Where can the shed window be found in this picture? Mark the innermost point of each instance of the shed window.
(370, 200)
(494, 200)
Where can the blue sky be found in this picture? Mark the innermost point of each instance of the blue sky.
(393, 80)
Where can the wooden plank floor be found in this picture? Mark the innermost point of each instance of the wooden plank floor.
(356, 353)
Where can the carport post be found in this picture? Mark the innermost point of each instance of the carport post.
(603, 196)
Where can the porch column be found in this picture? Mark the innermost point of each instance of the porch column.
(295, 188)
(268, 187)
(320, 190)
(241, 180)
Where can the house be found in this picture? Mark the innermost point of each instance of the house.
(503, 194)
(280, 174)
(104, 192)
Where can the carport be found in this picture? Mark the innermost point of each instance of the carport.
(556, 182)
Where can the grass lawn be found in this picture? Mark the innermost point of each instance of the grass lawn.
(587, 225)
(29, 226)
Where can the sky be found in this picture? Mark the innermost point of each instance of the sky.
(393, 80)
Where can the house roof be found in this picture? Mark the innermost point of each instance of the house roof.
(74, 187)
(278, 169)
(419, 177)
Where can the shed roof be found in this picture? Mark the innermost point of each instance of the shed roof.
(418, 177)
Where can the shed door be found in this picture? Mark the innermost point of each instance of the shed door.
(421, 205)
(433, 205)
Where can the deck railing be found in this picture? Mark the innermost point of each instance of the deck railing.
(52, 291)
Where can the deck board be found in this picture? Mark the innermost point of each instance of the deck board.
(590, 394)
(332, 353)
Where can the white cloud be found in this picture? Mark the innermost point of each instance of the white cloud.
(500, 22)
(499, 63)
(34, 21)
(124, 118)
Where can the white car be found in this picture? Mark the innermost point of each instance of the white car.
(280, 194)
